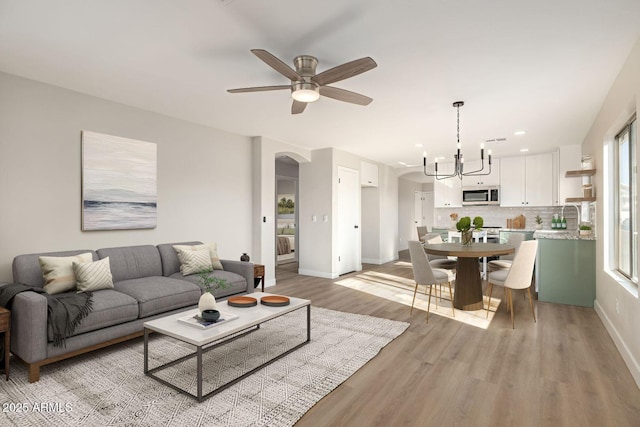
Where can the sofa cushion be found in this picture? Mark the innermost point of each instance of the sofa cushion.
(159, 294)
(212, 249)
(170, 261)
(193, 260)
(93, 276)
(133, 262)
(235, 282)
(109, 308)
(26, 268)
(58, 272)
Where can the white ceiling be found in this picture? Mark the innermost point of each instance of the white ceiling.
(540, 66)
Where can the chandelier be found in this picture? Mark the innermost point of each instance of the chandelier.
(458, 167)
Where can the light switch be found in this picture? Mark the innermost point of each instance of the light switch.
(325, 218)
(314, 218)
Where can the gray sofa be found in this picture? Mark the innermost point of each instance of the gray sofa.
(147, 284)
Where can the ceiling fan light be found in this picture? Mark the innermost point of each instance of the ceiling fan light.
(305, 91)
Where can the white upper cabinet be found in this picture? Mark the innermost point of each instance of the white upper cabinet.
(368, 174)
(527, 181)
(447, 193)
(481, 180)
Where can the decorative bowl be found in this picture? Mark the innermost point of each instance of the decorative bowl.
(210, 315)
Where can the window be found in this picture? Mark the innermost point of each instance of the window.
(625, 222)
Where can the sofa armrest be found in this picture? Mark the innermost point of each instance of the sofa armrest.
(29, 326)
(245, 269)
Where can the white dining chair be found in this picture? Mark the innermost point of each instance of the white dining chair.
(517, 277)
(505, 261)
(424, 275)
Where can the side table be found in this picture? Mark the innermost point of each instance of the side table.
(258, 275)
(5, 326)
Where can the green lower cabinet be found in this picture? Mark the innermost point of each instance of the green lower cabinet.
(566, 271)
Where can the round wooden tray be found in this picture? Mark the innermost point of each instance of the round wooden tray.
(242, 302)
(275, 301)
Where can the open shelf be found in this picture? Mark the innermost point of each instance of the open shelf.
(580, 199)
(582, 172)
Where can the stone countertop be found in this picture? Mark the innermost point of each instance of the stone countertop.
(518, 230)
(561, 235)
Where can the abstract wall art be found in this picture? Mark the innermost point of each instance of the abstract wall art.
(119, 183)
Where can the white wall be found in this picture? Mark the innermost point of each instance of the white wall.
(316, 200)
(617, 305)
(370, 225)
(388, 188)
(204, 174)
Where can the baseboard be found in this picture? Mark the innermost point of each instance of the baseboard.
(378, 261)
(630, 361)
(321, 274)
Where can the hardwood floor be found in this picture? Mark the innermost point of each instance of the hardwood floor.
(563, 370)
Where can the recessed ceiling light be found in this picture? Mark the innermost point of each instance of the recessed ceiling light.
(524, 150)
(402, 163)
(419, 145)
(519, 132)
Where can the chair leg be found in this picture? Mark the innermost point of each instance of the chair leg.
(429, 304)
(453, 312)
(507, 306)
(490, 285)
(414, 299)
(513, 323)
(531, 304)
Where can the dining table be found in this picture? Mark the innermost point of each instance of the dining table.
(468, 286)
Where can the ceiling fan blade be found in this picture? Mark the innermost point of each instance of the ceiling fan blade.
(298, 107)
(344, 71)
(344, 95)
(277, 64)
(258, 89)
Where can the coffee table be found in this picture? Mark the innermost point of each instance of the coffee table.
(249, 319)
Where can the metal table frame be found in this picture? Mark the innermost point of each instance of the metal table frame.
(203, 348)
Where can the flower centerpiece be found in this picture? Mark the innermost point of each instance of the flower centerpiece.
(209, 283)
(464, 227)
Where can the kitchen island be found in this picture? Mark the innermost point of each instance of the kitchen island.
(565, 268)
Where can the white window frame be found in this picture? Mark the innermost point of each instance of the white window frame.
(628, 279)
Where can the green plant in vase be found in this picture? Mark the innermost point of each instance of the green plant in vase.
(209, 282)
(538, 222)
(464, 227)
(478, 222)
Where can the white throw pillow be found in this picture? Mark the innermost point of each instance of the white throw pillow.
(213, 253)
(194, 260)
(58, 272)
(93, 276)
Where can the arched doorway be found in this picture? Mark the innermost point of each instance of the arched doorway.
(287, 214)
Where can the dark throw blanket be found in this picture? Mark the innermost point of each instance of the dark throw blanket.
(65, 311)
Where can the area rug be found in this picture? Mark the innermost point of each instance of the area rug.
(108, 387)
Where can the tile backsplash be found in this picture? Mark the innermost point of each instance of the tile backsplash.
(495, 216)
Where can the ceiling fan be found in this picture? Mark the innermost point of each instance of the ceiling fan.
(307, 86)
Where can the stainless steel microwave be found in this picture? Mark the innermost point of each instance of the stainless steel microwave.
(480, 196)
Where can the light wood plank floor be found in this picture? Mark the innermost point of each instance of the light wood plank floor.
(563, 370)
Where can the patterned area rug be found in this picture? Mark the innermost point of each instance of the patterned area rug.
(109, 388)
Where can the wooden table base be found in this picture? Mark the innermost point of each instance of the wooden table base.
(468, 294)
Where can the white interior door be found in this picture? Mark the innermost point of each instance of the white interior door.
(348, 220)
(417, 211)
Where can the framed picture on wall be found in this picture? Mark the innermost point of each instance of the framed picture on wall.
(119, 183)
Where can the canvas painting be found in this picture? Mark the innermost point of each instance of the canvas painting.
(119, 183)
